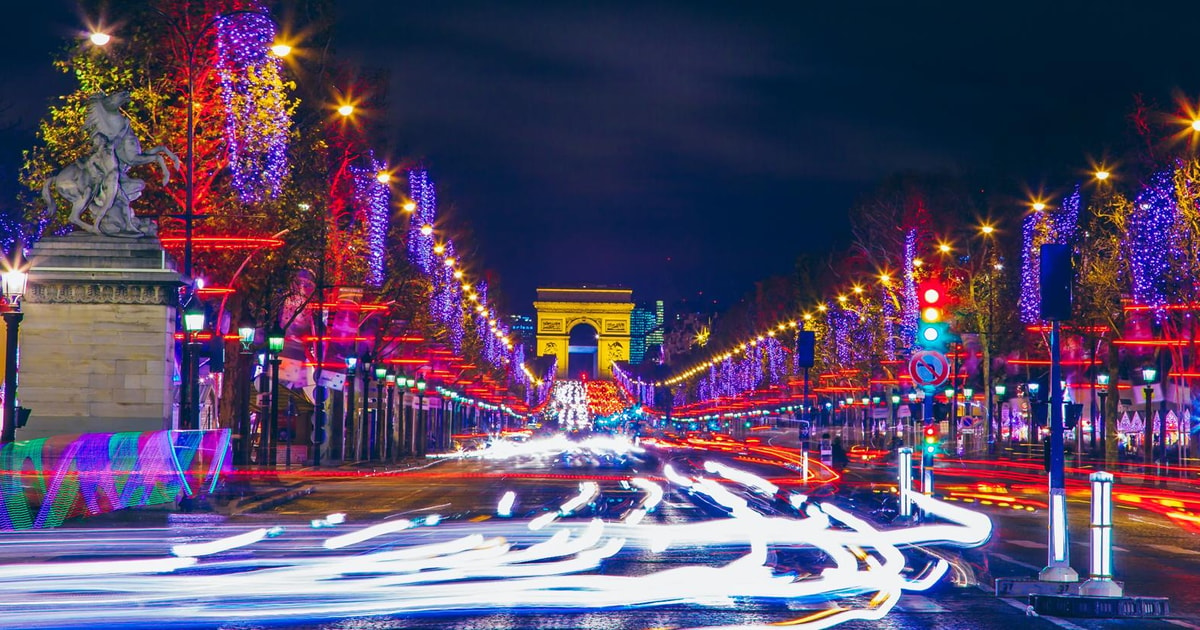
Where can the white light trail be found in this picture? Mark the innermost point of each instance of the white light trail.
(509, 566)
(504, 508)
(365, 534)
(193, 550)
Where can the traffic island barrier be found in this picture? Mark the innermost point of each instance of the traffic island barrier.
(1100, 607)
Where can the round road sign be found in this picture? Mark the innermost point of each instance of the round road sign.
(928, 368)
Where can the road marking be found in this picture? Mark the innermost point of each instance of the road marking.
(1172, 549)
(1061, 623)
(1028, 544)
(1011, 560)
(1145, 522)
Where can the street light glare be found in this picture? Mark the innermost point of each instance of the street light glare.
(1102, 175)
(383, 177)
(987, 229)
(1039, 206)
(1196, 125)
(346, 110)
(409, 206)
(944, 248)
(281, 50)
(99, 38)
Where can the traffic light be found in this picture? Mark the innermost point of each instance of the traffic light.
(932, 439)
(932, 330)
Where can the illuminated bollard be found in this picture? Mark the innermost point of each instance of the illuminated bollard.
(804, 464)
(1100, 582)
(905, 482)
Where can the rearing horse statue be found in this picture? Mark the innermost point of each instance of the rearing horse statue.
(100, 183)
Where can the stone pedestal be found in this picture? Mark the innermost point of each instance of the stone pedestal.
(98, 340)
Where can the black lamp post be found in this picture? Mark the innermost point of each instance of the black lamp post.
(14, 282)
(1101, 381)
(189, 395)
(999, 390)
(1149, 374)
(348, 419)
(274, 347)
(389, 429)
(380, 376)
(246, 338)
(421, 437)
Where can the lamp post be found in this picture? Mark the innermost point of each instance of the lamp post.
(999, 390)
(1149, 374)
(366, 432)
(246, 338)
(1101, 381)
(348, 418)
(895, 409)
(1033, 388)
(380, 377)
(274, 347)
(389, 429)
(421, 438)
(189, 393)
(14, 283)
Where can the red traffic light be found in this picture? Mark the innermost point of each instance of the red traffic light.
(931, 433)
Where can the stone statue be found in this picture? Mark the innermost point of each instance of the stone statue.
(100, 183)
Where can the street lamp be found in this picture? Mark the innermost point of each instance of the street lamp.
(421, 439)
(1101, 381)
(999, 390)
(390, 426)
(381, 373)
(274, 347)
(193, 323)
(246, 338)
(1149, 375)
(348, 418)
(14, 281)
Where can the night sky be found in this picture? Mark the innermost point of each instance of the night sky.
(686, 147)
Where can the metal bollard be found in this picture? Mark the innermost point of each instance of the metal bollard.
(905, 482)
(1100, 582)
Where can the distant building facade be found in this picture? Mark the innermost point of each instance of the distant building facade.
(522, 327)
(646, 331)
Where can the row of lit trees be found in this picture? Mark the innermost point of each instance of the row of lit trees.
(280, 168)
(1136, 235)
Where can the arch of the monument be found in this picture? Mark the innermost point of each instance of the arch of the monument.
(560, 310)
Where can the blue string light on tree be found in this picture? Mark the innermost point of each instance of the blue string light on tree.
(257, 109)
(1033, 235)
(373, 198)
(1149, 246)
(910, 305)
(1065, 223)
(420, 232)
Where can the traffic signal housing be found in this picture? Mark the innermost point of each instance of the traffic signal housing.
(933, 331)
(932, 440)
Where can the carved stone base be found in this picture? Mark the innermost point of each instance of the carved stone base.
(98, 337)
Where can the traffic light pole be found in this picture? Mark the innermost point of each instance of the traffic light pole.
(926, 456)
(1058, 567)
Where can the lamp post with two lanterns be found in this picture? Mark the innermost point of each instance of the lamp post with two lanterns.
(998, 390)
(14, 283)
